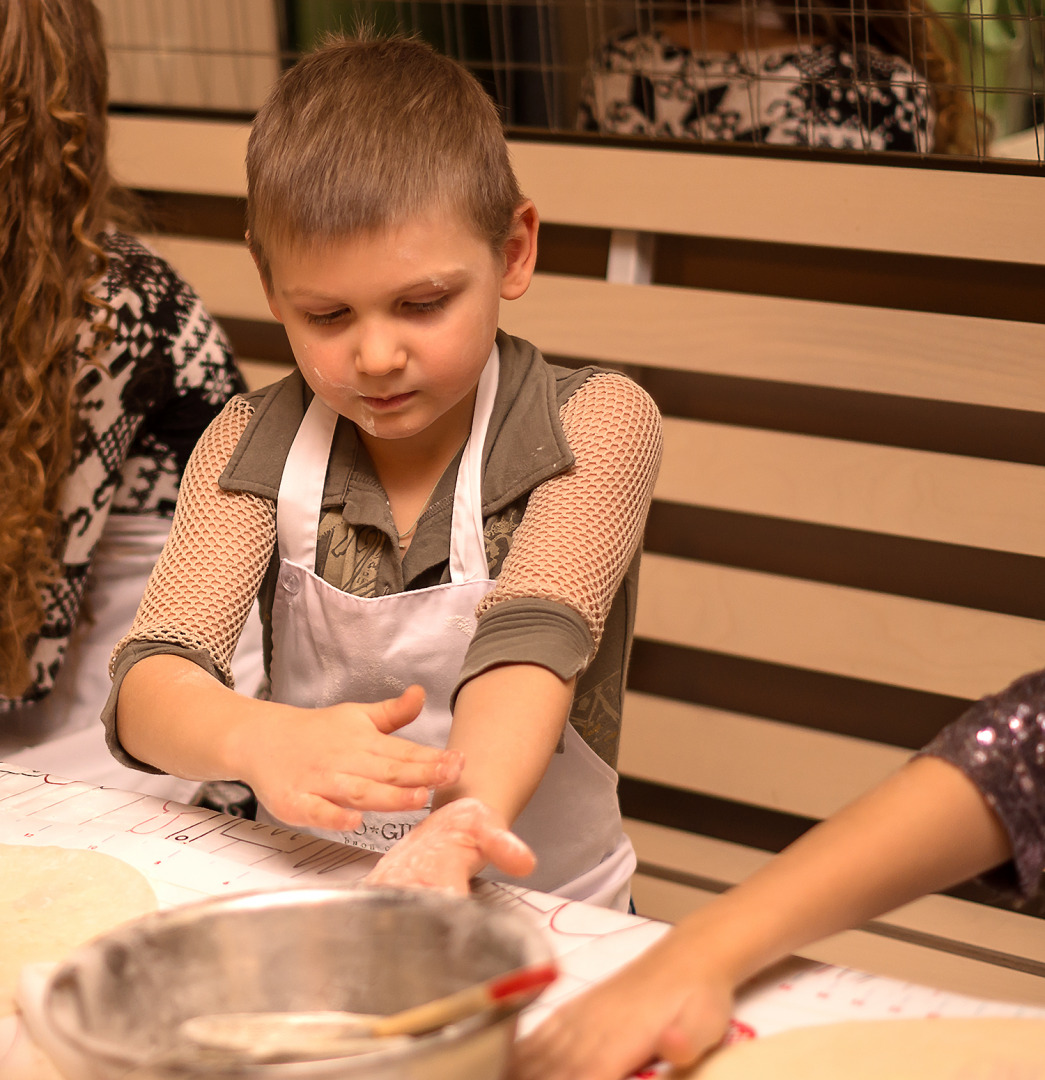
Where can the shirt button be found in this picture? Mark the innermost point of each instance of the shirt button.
(289, 581)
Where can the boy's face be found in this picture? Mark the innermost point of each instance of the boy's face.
(392, 328)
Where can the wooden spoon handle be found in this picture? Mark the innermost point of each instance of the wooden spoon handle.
(503, 990)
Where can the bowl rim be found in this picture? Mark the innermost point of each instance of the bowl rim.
(106, 1052)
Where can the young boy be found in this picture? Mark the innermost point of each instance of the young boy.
(423, 502)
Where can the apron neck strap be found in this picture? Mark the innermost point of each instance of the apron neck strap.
(300, 500)
(467, 542)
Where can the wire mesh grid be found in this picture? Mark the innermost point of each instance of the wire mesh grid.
(924, 76)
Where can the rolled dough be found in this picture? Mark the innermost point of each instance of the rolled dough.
(981, 1048)
(53, 899)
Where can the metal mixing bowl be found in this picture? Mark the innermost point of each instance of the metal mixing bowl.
(115, 1005)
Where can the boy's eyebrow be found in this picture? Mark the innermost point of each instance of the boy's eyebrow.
(436, 281)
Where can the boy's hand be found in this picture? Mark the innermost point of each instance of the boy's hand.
(450, 847)
(661, 1006)
(318, 768)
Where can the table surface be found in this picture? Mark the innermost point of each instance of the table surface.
(188, 853)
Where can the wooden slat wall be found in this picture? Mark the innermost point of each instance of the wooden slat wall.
(847, 542)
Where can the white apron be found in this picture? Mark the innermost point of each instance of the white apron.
(329, 646)
(63, 733)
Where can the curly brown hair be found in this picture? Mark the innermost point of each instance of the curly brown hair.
(56, 199)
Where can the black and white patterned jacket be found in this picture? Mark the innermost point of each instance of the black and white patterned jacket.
(167, 374)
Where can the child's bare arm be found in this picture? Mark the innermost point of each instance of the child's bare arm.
(508, 722)
(506, 726)
(314, 768)
(925, 828)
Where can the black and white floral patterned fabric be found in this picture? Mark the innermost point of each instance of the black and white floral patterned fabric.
(166, 375)
(821, 95)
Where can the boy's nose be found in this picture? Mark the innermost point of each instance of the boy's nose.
(378, 352)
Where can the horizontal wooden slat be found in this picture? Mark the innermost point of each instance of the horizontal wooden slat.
(884, 279)
(1016, 435)
(716, 864)
(989, 504)
(260, 373)
(909, 353)
(749, 825)
(921, 211)
(929, 965)
(209, 217)
(724, 864)
(221, 271)
(668, 901)
(899, 352)
(779, 766)
(913, 643)
(263, 340)
(968, 429)
(720, 861)
(839, 275)
(924, 570)
(166, 154)
(859, 708)
(725, 819)
(864, 950)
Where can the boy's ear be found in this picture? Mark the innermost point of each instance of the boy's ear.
(520, 251)
(266, 282)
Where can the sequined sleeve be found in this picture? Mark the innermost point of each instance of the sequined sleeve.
(999, 744)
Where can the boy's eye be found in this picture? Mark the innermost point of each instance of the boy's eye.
(425, 307)
(324, 318)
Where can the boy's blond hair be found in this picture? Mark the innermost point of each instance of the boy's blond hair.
(365, 133)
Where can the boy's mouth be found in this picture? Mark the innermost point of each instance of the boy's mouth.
(387, 404)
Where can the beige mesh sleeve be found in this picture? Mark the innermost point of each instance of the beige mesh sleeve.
(581, 528)
(220, 543)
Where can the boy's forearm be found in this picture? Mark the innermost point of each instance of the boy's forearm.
(926, 828)
(175, 716)
(507, 722)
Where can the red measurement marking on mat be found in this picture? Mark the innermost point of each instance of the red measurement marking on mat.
(739, 1032)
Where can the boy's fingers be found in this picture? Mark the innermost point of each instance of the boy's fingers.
(393, 713)
(315, 812)
(359, 793)
(508, 853)
(396, 752)
(337, 818)
(698, 1026)
(410, 772)
(677, 1046)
